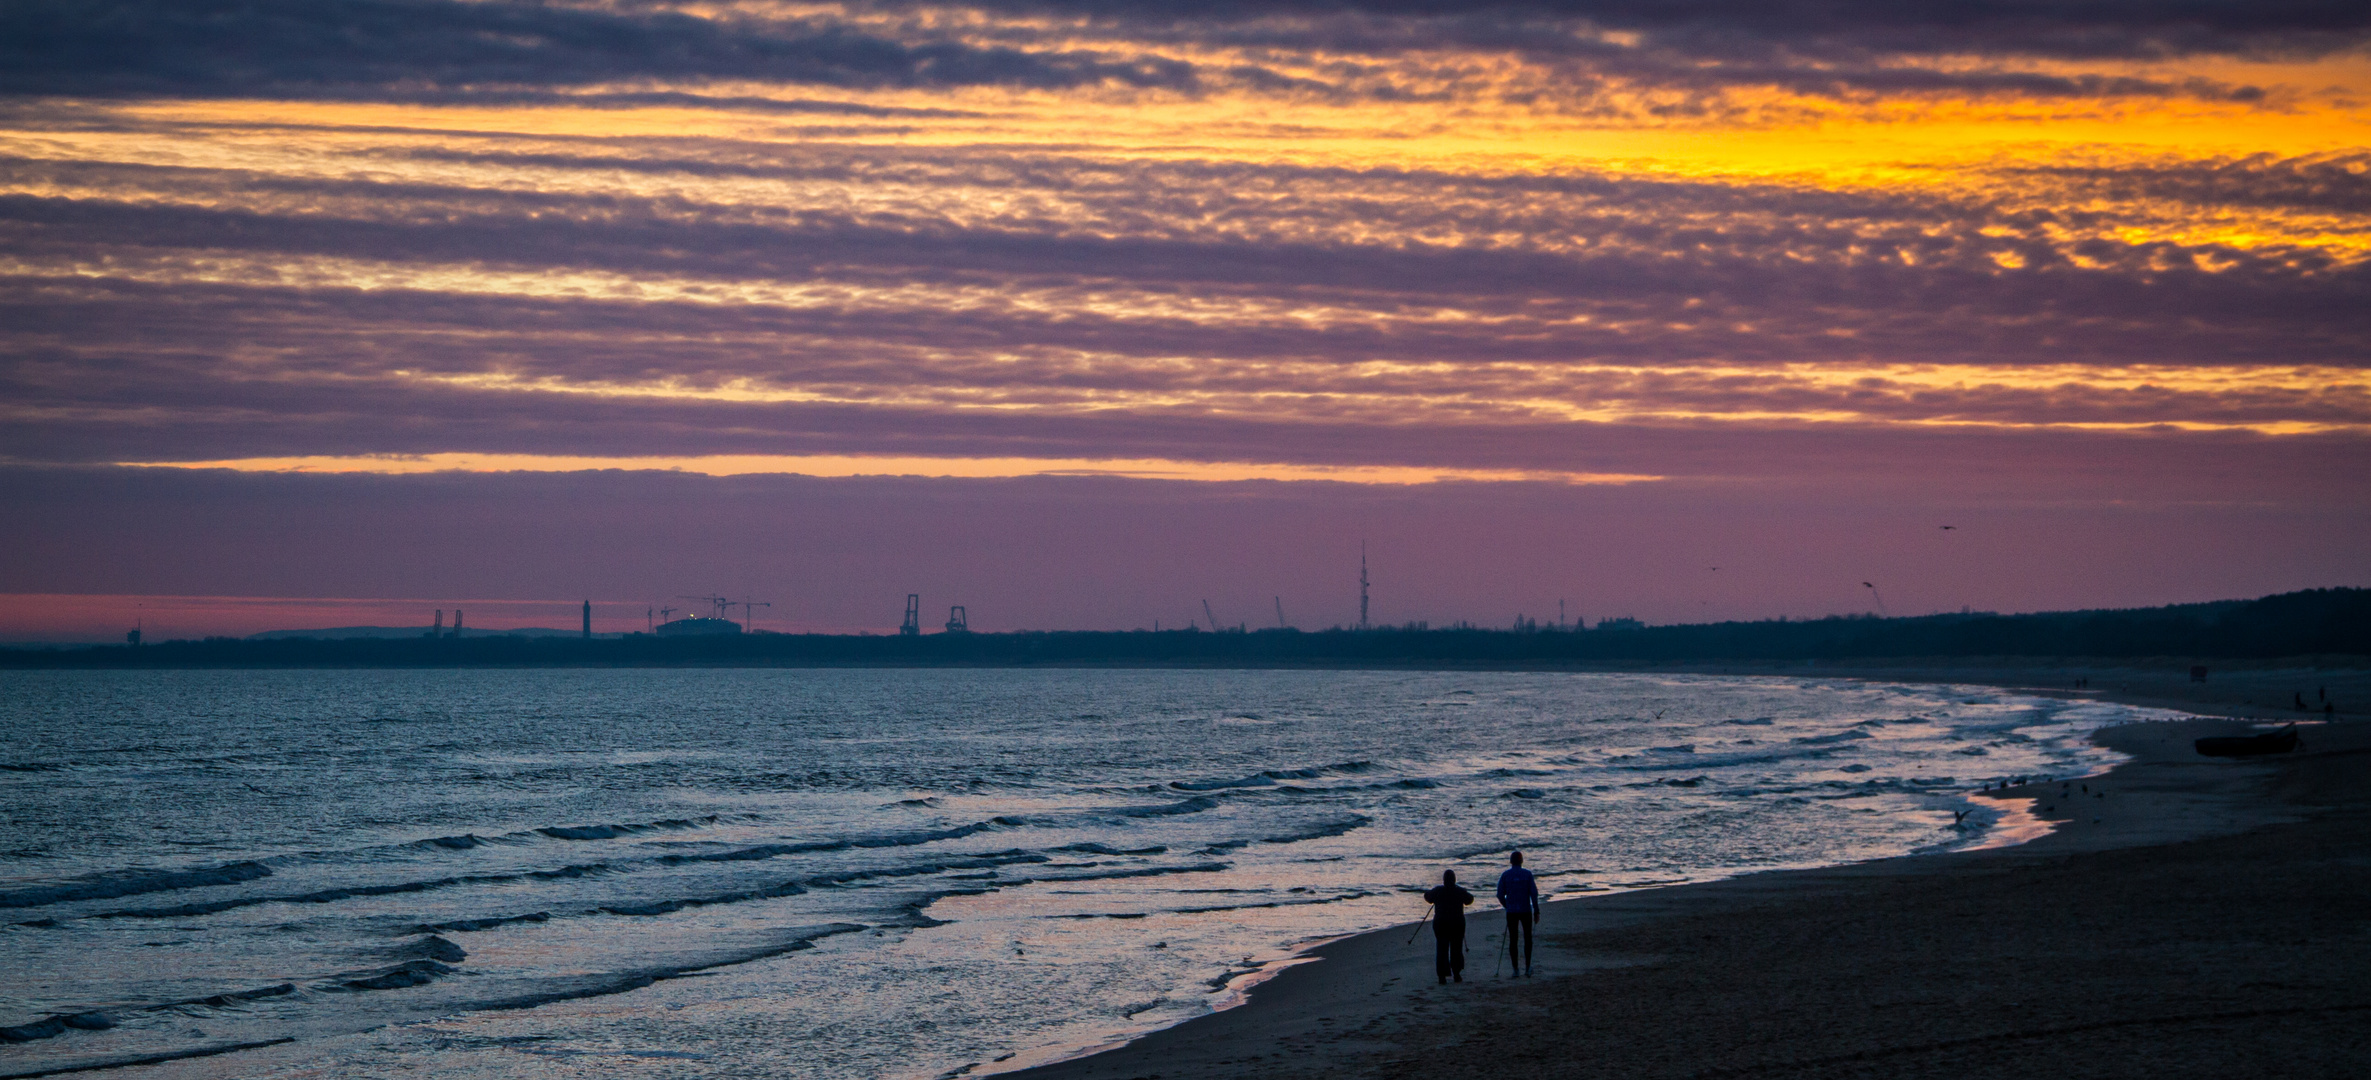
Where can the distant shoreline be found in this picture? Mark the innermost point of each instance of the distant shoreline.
(2315, 627)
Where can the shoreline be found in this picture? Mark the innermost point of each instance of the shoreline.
(1352, 1004)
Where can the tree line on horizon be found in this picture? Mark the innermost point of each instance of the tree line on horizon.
(2334, 621)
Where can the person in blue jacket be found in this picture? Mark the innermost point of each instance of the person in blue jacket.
(1448, 927)
(1520, 895)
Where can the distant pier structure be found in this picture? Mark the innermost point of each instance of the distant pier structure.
(957, 621)
(912, 627)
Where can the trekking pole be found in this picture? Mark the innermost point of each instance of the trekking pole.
(1420, 924)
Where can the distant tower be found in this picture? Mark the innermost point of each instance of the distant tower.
(1362, 584)
(588, 620)
(440, 624)
(456, 622)
(912, 627)
(132, 636)
(957, 622)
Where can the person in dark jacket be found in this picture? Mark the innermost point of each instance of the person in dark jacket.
(1519, 894)
(1448, 927)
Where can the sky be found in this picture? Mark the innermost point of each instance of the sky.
(1081, 313)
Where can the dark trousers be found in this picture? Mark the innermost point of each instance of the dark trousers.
(1448, 949)
(1519, 922)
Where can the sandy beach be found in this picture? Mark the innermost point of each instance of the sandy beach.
(2183, 916)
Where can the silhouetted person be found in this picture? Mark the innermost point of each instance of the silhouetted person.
(1520, 895)
(1448, 927)
(2300, 701)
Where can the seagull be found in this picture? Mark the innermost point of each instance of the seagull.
(1947, 528)
(1958, 816)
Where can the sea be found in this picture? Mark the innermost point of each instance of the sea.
(866, 872)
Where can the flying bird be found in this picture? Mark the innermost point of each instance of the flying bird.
(1947, 527)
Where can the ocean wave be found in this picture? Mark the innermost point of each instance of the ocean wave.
(1334, 827)
(430, 947)
(1269, 777)
(582, 870)
(1194, 805)
(666, 907)
(1297, 902)
(1829, 740)
(113, 884)
(885, 840)
(982, 862)
(1724, 760)
(1136, 872)
(462, 842)
(622, 982)
(612, 832)
(470, 926)
(52, 1026)
(1091, 848)
(331, 896)
(1256, 780)
(408, 974)
(1320, 831)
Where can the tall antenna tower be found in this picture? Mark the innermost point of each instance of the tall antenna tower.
(1362, 584)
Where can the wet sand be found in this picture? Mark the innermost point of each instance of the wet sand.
(2188, 916)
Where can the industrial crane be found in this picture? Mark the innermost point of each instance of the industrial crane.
(748, 614)
(722, 605)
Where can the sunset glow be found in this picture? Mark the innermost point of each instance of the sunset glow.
(1704, 247)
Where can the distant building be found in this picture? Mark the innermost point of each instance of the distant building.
(698, 626)
(1623, 623)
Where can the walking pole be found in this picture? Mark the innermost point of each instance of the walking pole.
(1420, 924)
